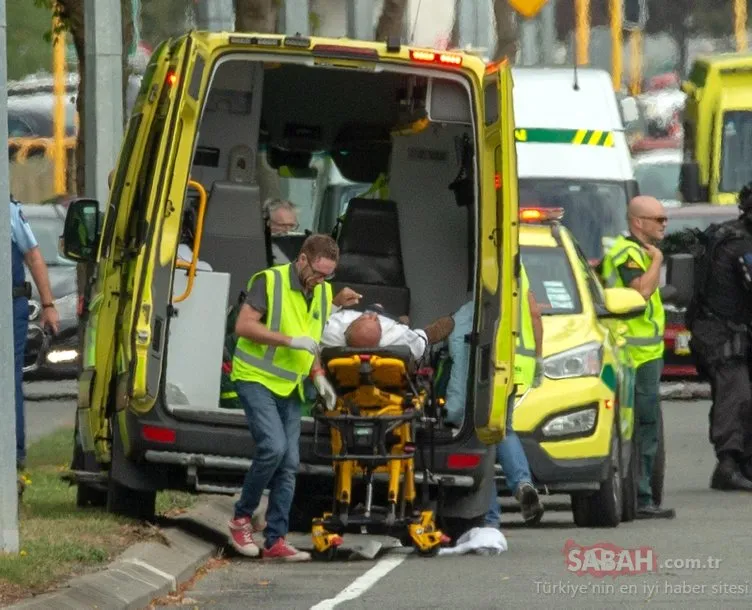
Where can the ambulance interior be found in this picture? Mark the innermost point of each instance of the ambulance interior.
(285, 130)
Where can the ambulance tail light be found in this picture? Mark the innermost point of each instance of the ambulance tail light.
(436, 57)
(541, 214)
(157, 434)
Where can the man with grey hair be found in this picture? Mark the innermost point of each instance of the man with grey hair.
(281, 218)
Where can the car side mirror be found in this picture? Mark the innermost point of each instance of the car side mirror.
(689, 182)
(680, 275)
(622, 304)
(81, 231)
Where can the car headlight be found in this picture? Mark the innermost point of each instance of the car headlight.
(67, 306)
(582, 361)
(576, 422)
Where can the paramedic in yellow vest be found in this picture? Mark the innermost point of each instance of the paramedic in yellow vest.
(528, 373)
(279, 328)
(635, 261)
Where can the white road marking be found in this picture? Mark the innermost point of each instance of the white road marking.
(361, 584)
(151, 568)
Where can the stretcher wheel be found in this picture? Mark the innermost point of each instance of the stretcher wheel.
(432, 552)
(327, 555)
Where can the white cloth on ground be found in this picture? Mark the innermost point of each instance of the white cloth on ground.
(479, 540)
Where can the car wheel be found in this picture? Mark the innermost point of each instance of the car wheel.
(629, 487)
(86, 494)
(603, 508)
(659, 466)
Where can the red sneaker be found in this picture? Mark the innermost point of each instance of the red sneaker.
(282, 551)
(241, 537)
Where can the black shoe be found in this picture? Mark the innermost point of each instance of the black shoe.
(728, 477)
(651, 511)
(532, 509)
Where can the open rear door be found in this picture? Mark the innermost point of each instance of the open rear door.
(496, 316)
(121, 234)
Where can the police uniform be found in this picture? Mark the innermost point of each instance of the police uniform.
(720, 343)
(626, 261)
(269, 382)
(22, 240)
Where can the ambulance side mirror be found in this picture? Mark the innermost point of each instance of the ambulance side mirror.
(80, 240)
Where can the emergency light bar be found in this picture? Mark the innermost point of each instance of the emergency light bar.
(541, 214)
(448, 59)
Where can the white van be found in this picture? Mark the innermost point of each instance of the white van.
(572, 151)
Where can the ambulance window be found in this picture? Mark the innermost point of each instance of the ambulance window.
(551, 280)
(491, 99)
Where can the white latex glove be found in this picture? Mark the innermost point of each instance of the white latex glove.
(305, 343)
(326, 391)
(539, 372)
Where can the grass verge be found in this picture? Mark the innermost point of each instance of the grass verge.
(60, 540)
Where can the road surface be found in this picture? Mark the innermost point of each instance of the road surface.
(702, 558)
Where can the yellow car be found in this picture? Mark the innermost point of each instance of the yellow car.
(577, 426)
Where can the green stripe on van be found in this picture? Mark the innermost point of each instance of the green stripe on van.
(578, 137)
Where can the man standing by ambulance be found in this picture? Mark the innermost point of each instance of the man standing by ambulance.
(635, 261)
(279, 327)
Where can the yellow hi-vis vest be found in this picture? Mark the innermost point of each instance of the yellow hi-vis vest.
(282, 369)
(524, 358)
(644, 335)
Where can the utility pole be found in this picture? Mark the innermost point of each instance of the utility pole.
(104, 94)
(8, 480)
(617, 43)
(548, 32)
(58, 70)
(740, 24)
(582, 16)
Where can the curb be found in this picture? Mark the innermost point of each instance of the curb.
(147, 570)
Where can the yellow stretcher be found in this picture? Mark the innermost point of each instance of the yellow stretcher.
(381, 400)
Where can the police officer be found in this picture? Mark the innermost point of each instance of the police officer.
(635, 261)
(719, 320)
(279, 327)
(25, 249)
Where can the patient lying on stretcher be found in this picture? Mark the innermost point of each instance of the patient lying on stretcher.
(374, 328)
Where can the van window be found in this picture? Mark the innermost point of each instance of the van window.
(551, 280)
(592, 209)
(736, 151)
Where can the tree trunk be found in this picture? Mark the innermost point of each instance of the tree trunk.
(507, 33)
(256, 16)
(392, 19)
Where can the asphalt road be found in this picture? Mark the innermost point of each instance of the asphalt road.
(49, 405)
(711, 537)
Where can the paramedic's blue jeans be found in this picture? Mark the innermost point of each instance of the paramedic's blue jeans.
(513, 460)
(20, 328)
(274, 422)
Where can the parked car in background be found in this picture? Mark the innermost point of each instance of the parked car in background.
(657, 173)
(677, 357)
(50, 355)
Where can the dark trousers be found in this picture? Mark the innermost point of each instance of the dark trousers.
(647, 414)
(731, 412)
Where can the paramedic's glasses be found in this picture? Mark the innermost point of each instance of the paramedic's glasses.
(659, 219)
(317, 274)
(283, 227)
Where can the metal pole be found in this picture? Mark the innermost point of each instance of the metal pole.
(8, 480)
(740, 24)
(104, 94)
(360, 19)
(635, 61)
(58, 70)
(582, 8)
(295, 18)
(548, 32)
(617, 43)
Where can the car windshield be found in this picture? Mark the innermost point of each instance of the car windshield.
(659, 180)
(592, 210)
(736, 157)
(47, 232)
(551, 280)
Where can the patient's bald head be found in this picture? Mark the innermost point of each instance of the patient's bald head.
(364, 331)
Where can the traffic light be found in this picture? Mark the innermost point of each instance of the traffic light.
(635, 14)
